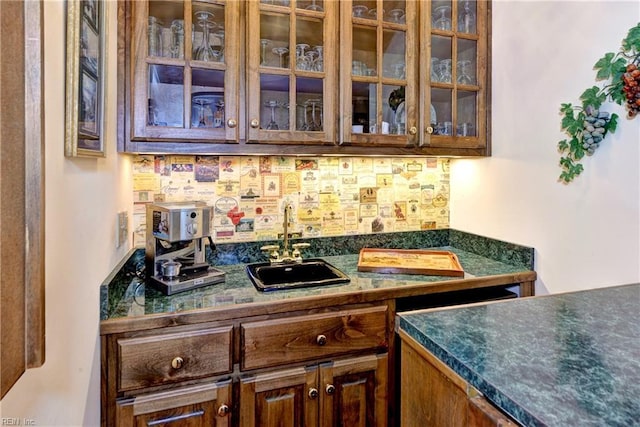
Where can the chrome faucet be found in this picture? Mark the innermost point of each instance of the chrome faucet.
(274, 250)
(285, 226)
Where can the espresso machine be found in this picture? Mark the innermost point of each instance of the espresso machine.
(175, 247)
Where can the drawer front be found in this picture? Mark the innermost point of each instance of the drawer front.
(315, 336)
(169, 358)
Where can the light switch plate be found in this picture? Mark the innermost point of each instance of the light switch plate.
(122, 228)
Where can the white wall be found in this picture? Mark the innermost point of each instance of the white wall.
(82, 199)
(587, 233)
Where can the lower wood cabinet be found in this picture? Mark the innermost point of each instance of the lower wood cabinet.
(349, 392)
(322, 367)
(189, 406)
(433, 395)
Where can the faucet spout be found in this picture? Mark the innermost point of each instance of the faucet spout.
(285, 243)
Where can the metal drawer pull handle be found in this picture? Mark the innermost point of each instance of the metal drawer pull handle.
(330, 389)
(313, 393)
(255, 123)
(413, 130)
(176, 418)
(177, 363)
(223, 410)
(321, 339)
(232, 123)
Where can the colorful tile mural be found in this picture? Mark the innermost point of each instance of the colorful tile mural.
(330, 195)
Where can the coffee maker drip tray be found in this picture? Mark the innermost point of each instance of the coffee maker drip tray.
(186, 282)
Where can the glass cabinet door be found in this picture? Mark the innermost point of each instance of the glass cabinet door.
(454, 34)
(291, 71)
(378, 68)
(186, 70)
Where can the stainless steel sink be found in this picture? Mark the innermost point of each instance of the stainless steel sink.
(310, 272)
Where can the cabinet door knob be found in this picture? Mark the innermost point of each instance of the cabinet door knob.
(255, 123)
(223, 410)
(232, 123)
(313, 393)
(330, 389)
(429, 129)
(413, 130)
(321, 339)
(177, 362)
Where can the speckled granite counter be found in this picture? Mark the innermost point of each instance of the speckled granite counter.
(125, 296)
(558, 360)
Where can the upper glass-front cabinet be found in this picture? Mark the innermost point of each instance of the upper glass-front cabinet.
(379, 70)
(185, 70)
(291, 71)
(454, 113)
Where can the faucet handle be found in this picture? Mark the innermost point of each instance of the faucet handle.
(272, 250)
(296, 249)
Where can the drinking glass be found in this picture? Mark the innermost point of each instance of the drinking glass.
(264, 43)
(273, 125)
(319, 64)
(467, 18)
(464, 72)
(314, 6)
(396, 15)
(280, 51)
(445, 71)
(359, 11)
(177, 39)
(204, 52)
(202, 103)
(301, 59)
(435, 69)
(443, 18)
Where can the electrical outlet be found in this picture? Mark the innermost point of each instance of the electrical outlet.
(122, 228)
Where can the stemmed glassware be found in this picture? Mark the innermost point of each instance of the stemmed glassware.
(466, 19)
(464, 72)
(359, 10)
(202, 103)
(218, 54)
(315, 124)
(396, 15)
(443, 22)
(204, 52)
(264, 43)
(315, 6)
(280, 51)
(301, 59)
(273, 125)
(319, 64)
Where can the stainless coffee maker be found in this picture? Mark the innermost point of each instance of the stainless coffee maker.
(175, 248)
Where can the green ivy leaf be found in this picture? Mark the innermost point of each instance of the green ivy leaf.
(632, 42)
(612, 124)
(603, 66)
(593, 96)
(563, 146)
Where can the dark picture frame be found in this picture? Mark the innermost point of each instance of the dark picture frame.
(85, 77)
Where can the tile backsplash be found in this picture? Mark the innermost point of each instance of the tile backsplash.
(330, 195)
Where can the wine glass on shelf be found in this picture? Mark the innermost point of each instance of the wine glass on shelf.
(359, 11)
(301, 60)
(396, 15)
(315, 124)
(280, 51)
(264, 44)
(204, 52)
(273, 104)
(466, 19)
(319, 65)
(314, 6)
(218, 54)
(443, 21)
(202, 103)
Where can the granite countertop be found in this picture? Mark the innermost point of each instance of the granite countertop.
(554, 360)
(124, 294)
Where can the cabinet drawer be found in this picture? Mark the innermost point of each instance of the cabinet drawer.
(315, 336)
(168, 358)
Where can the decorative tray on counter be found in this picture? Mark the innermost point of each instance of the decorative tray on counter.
(410, 261)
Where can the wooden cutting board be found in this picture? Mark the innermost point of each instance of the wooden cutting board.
(410, 261)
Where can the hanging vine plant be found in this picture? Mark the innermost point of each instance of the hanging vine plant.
(586, 124)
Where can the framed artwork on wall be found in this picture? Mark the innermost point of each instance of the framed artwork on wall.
(85, 77)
